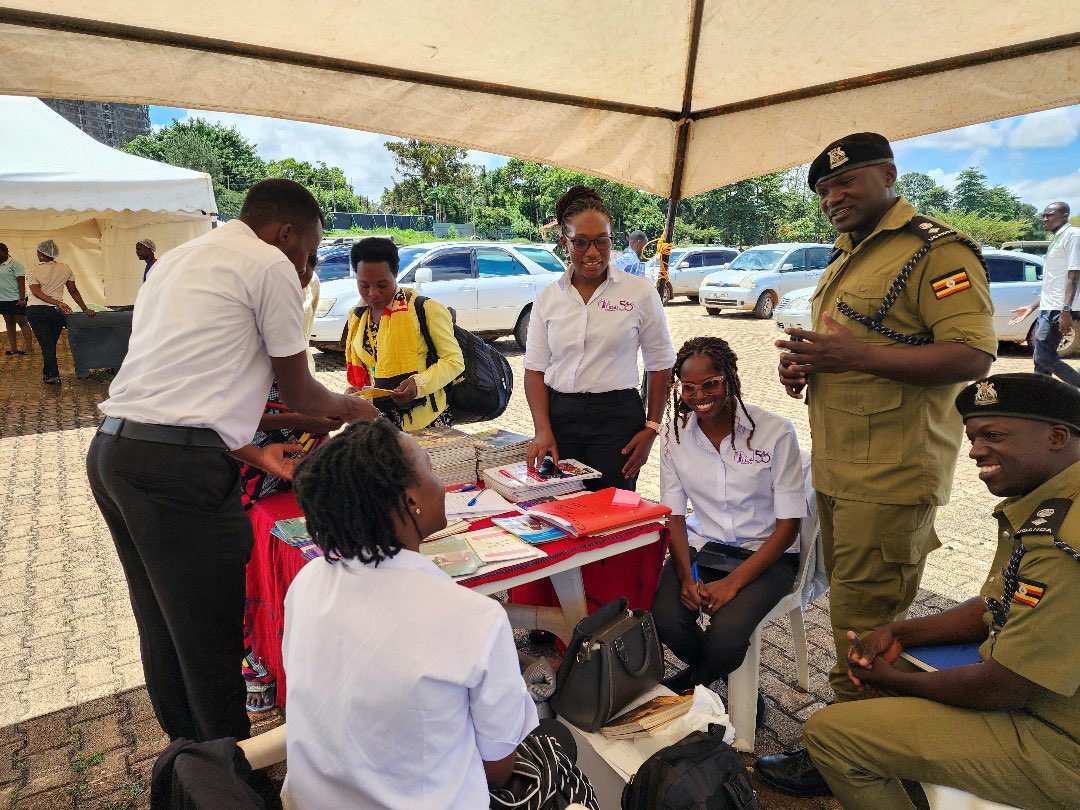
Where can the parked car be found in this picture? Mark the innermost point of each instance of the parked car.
(489, 285)
(687, 268)
(1015, 281)
(1036, 247)
(759, 277)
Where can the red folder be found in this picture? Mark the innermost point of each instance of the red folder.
(595, 514)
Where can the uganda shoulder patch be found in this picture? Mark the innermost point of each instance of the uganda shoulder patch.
(1047, 517)
(1029, 592)
(950, 284)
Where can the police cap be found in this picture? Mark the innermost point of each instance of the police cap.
(1022, 396)
(850, 152)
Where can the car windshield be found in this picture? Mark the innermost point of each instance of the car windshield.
(544, 258)
(333, 270)
(408, 255)
(755, 259)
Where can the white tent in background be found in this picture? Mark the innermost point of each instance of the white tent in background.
(56, 182)
(672, 96)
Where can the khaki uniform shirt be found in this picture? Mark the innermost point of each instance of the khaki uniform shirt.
(1041, 638)
(875, 439)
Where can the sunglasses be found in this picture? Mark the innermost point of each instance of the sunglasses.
(709, 387)
(581, 244)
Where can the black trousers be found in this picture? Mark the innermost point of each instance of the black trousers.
(717, 652)
(184, 541)
(47, 323)
(594, 428)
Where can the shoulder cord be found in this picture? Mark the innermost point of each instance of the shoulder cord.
(1000, 610)
(899, 283)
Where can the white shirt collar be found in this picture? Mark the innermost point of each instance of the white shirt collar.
(404, 560)
(742, 427)
(615, 275)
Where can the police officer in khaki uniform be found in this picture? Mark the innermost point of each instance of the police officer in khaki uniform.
(902, 317)
(1007, 728)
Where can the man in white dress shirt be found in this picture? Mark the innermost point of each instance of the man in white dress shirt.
(1061, 270)
(218, 322)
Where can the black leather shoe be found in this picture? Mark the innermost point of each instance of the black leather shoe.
(792, 773)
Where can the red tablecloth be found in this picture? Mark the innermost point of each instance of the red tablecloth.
(274, 564)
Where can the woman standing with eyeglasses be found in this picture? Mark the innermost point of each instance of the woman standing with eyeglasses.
(581, 372)
(740, 469)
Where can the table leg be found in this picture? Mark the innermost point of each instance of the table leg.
(570, 588)
(533, 617)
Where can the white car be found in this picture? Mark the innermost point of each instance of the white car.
(1015, 281)
(759, 277)
(489, 285)
(687, 268)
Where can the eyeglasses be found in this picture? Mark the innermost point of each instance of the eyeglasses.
(581, 244)
(709, 387)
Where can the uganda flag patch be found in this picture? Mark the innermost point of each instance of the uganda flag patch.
(1029, 592)
(950, 284)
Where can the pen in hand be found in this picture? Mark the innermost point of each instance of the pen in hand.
(703, 619)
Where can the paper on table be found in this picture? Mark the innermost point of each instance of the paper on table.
(495, 545)
(488, 502)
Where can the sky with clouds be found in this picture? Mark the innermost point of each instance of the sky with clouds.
(1037, 155)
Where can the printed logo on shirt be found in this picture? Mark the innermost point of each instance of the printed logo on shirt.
(753, 457)
(1029, 592)
(615, 306)
(950, 284)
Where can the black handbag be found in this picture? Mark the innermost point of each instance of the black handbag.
(613, 658)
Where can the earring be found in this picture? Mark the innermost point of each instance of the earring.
(418, 510)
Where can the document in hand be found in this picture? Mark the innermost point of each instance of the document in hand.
(595, 513)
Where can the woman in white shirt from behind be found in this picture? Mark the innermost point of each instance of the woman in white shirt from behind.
(739, 467)
(404, 687)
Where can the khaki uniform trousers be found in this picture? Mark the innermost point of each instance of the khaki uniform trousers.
(874, 556)
(865, 748)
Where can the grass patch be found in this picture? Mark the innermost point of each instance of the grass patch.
(82, 762)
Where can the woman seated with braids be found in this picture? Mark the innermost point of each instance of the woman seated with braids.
(404, 687)
(739, 467)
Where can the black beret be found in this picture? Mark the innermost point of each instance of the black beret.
(850, 152)
(1022, 396)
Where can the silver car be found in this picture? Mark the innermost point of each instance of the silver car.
(762, 275)
(687, 268)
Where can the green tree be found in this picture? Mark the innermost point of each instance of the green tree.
(328, 183)
(989, 229)
(422, 166)
(219, 150)
(971, 194)
(922, 191)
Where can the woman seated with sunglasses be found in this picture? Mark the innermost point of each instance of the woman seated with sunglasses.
(739, 467)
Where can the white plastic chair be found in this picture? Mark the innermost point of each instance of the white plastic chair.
(950, 798)
(743, 682)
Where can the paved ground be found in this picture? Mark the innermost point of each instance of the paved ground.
(75, 725)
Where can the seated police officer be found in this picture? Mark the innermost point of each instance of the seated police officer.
(1006, 728)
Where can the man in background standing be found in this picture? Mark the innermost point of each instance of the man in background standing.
(630, 260)
(1061, 269)
(145, 249)
(13, 301)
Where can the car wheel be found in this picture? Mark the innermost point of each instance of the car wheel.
(765, 304)
(666, 294)
(1070, 345)
(521, 329)
(713, 310)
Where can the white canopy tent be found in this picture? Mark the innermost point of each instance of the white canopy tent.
(672, 96)
(58, 183)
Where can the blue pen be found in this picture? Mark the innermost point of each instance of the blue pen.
(473, 500)
(469, 488)
(702, 619)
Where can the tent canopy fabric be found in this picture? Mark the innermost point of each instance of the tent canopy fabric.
(56, 182)
(49, 164)
(672, 96)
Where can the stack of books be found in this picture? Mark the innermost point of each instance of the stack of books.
(648, 717)
(516, 482)
(453, 457)
(497, 448)
(463, 554)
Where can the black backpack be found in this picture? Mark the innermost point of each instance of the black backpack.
(700, 772)
(483, 390)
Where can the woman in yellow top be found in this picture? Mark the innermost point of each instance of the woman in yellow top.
(385, 348)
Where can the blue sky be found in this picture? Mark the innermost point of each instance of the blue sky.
(1037, 155)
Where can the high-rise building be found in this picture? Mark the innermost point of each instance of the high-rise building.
(112, 124)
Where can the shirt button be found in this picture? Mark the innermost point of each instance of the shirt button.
(860, 408)
(862, 288)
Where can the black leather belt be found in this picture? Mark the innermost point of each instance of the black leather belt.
(163, 434)
(601, 398)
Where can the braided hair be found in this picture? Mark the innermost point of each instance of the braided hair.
(350, 489)
(718, 351)
(576, 200)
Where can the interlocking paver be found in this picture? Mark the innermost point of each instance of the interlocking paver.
(76, 726)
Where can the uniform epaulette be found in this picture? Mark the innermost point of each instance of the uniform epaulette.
(927, 229)
(1047, 517)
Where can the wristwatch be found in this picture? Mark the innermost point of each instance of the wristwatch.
(654, 425)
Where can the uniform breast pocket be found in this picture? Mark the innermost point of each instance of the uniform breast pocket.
(865, 299)
(865, 424)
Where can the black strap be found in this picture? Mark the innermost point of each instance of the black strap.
(929, 231)
(432, 355)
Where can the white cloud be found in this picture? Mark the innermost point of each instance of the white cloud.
(1051, 128)
(976, 136)
(368, 166)
(1042, 192)
(943, 178)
